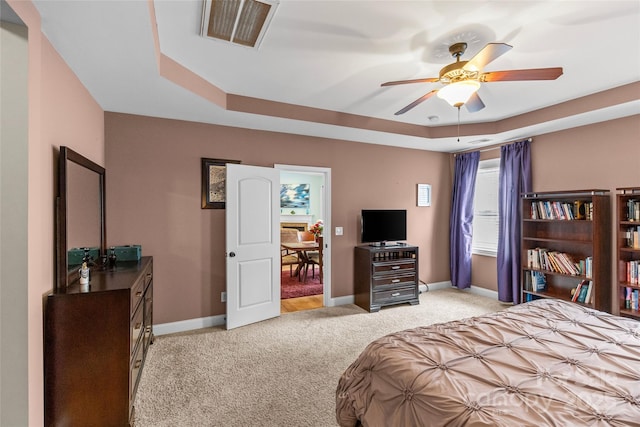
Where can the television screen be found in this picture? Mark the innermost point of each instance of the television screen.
(380, 226)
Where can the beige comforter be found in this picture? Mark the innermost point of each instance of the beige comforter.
(544, 363)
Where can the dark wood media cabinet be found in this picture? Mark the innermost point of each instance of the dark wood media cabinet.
(95, 344)
(386, 275)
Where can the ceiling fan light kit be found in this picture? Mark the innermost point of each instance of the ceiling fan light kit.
(462, 79)
(458, 93)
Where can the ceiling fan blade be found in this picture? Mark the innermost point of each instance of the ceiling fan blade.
(402, 82)
(515, 75)
(474, 103)
(488, 53)
(416, 102)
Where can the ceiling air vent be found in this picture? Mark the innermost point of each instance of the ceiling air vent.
(480, 141)
(242, 22)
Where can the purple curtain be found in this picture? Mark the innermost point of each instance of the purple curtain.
(515, 178)
(461, 219)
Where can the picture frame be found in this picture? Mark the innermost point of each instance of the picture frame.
(294, 196)
(424, 195)
(214, 175)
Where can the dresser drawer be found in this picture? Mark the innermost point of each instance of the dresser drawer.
(134, 374)
(137, 327)
(137, 293)
(148, 316)
(395, 280)
(148, 274)
(137, 290)
(392, 295)
(394, 266)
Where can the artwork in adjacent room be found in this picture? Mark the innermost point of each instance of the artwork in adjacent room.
(214, 177)
(294, 196)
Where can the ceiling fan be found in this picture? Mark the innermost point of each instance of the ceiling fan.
(462, 78)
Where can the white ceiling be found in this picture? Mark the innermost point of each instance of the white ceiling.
(333, 55)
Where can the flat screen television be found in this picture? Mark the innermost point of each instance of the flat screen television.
(384, 226)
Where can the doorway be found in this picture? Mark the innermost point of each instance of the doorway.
(319, 179)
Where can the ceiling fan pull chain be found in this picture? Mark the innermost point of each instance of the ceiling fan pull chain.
(458, 124)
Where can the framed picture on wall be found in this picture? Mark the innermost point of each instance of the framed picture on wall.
(424, 195)
(214, 177)
(294, 196)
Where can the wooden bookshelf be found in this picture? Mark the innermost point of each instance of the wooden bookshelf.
(566, 240)
(628, 250)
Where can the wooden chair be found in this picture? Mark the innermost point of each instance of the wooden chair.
(290, 258)
(315, 258)
(312, 258)
(305, 236)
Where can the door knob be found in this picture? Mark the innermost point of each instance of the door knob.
(232, 254)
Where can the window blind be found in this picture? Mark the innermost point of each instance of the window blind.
(485, 208)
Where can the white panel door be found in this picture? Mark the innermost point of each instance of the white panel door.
(252, 244)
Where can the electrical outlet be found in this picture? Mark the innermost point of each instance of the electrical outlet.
(339, 231)
(223, 297)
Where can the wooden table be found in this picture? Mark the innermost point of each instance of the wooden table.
(302, 248)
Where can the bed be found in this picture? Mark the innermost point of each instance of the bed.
(544, 363)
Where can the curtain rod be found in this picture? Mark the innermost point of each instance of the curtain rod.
(495, 147)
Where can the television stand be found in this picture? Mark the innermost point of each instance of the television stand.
(386, 275)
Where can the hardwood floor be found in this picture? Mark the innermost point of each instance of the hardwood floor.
(291, 305)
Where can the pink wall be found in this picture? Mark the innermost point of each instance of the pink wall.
(599, 156)
(61, 112)
(154, 184)
(153, 199)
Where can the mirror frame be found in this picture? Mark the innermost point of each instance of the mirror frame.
(68, 155)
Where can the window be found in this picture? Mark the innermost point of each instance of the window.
(485, 209)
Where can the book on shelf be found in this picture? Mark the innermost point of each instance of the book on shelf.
(558, 262)
(588, 294)
(588, 267)
(583, 292)
(575, 292)
(632, 297)
(538, 281)
(632, 237)
(531, 297)
(633, 210)
(632, 272)
(546, 209)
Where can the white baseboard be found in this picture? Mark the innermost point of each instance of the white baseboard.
(349, 299)
(439, 285)
(189, 325)
(484, 292)
(473, 289)
(208, 322)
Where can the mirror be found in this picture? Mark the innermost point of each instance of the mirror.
(81, 214)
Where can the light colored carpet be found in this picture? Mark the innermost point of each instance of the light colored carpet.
(280, 372)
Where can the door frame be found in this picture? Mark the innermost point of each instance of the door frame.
(326, 218)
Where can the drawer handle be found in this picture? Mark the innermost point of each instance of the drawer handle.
(395, 280)
(395, 294)
(395, 267)
(138, 294)
(137, 364)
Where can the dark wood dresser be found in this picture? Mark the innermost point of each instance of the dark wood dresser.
(95, 344)
(385, 275)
